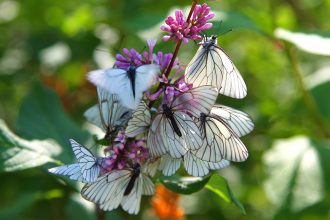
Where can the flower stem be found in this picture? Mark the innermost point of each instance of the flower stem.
(176, 51)
(309, 100)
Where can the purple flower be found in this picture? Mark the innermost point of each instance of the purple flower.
(179, 29)
(132, 57)
(124, 155)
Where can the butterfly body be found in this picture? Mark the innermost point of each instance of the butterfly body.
(135, 175)
(169, 114)
(131, 73)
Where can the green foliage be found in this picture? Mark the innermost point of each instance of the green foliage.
(287, 174)
(19, 154)
(219, 186)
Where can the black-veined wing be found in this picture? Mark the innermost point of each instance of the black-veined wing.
(174, 133)
(73, 171)
(218, 165)
(119, 187)
(220, 141)
(140, 121)
(196, 100)
(239, 121)
(169, 165)
(88, 163)
(212, 66)
(151, 166)
(129, 85)
(198, 167)
(109, 114)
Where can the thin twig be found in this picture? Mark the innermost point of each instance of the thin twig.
(308, 99)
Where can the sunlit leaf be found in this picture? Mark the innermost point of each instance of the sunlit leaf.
(19, 154)
(311, 43)
(184, 185)
(295, 180)
(219, 186)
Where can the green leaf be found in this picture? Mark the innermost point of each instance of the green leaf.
(219, 186)
(19, 154)
(15, 208)
(184, 185)
(295, 173)
(42, 116)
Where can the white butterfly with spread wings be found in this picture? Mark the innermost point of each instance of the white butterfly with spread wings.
(129, 84)
(212, 66)
(221, 129)
(86, 170)
(109, 114)
(173, 130)
(120, 187)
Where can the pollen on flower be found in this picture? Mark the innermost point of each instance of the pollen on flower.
(165, 204)
(180, 29)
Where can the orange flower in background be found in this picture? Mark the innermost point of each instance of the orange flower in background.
(165, 204)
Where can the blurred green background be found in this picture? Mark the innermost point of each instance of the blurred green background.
(46, 48)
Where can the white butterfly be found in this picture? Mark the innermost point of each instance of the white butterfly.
(129, 84)
(109, 114)
(220, 131)
(119, 187)
(173, 129)
(86, 170)
(140, 121)
(212, 66)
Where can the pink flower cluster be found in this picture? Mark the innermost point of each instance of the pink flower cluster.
(180, 29)
(124, 153)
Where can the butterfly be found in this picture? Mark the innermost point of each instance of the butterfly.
(129, 84)
(109, 114)
(173, 129)
(120, 187)
(221, 129)
(212, 66)
(86, 170)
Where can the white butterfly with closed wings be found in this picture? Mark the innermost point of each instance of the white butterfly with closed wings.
(212, 66)
(120, 187)
(173, 130)
(129, 84)
(221, 129)
(109, 114)
(86, 170)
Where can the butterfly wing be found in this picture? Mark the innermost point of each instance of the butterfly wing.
(88, 163)
(115, 81)
(212, 66)
(72, 171)
(239, 121)
(218, 165)
(131, 202)
(220, 142)
(108, 190)
(146, 77)
(148, 187)
(196, 100)
(139, 122)
(112, 111)
(155, 140)
(194, 165)
(169, 165)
